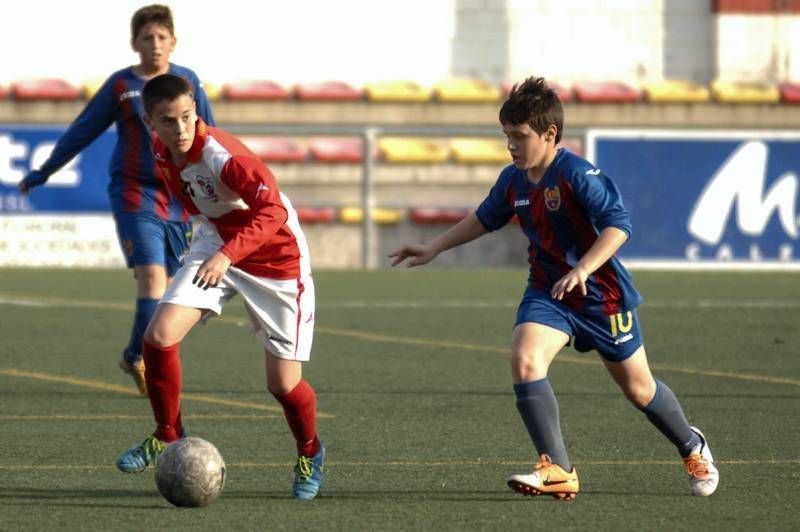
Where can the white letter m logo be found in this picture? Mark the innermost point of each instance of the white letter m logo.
(740, 180)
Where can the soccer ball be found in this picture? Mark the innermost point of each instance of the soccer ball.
(190, 472)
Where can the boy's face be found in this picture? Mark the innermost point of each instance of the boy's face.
(528, 148)
(154, 44)
(174, 123)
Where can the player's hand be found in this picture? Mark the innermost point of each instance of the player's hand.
(33, 179)
(211, 272)
(420, 255)
(576, 277)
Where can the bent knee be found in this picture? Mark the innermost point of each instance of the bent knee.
(280, 387)
(160, 336)
(528, 365)
(640, 394)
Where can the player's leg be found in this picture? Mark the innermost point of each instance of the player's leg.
(299, 402)
(144, 241)
(182, 306)
(533, 348)
(164, 377)
(662, 408)
(282, 314)
(538, 337)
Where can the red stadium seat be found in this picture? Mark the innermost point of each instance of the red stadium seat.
(276, 149)
(45, 89)
(605, 92)
(316, 215)
(327, 91)
(255, 90)
(564, 93)
(336, 150)
(3, 91)
(437, 215)
(790, 92)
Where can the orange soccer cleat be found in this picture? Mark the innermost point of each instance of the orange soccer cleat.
(547, 479)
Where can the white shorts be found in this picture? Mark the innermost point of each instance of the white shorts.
(281, 311)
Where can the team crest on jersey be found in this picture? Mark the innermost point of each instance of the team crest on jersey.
(552, 198)
(207, 186)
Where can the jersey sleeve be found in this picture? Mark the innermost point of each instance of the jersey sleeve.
(497, 209)
(256, 185)
(602, 200)
(95, 118)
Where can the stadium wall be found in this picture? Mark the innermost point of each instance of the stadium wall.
(357, 41)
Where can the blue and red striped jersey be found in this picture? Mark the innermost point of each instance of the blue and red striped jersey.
(562, 216)
(134, 185)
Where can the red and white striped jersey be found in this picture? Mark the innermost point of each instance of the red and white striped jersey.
(224, 182)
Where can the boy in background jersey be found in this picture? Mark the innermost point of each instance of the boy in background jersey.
(152, 228)
(575, 220)
(248, 241)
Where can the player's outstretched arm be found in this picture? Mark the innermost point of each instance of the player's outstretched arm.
(467, 229)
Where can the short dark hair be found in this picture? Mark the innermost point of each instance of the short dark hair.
(533, 102)
(164, 87)
(160, 14)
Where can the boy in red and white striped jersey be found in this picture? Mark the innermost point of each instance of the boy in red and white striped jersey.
(247, 241)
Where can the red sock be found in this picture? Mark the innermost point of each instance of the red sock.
(162, 371)
(300, 409)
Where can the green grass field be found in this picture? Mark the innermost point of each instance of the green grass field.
(416, 408)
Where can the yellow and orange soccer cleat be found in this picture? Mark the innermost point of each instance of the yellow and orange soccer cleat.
(136, 371)
(703, 474)
(547, 479)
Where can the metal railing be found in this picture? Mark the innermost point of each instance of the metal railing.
(369, 135)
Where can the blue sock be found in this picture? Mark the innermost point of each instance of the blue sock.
(145, 308)
(537, 404)
(665, 412)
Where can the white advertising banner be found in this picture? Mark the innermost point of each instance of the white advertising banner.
(66, 240)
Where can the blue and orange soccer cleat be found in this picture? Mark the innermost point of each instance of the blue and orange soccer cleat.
(139, 457)
(136, 371)
(547, 479)
(309, 475)
(703, 474)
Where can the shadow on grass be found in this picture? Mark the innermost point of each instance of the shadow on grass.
(88, 498)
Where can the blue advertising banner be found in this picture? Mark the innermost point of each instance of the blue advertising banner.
(698, 197)
(79, 187)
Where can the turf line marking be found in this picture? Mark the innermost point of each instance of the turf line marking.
(572, 359)
(413, 463)
(108, 387)
(6, 298)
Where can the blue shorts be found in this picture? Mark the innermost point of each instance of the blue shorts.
(615, 337)
(147, 239)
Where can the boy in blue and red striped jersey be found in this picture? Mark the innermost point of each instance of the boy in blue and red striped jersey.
(153, 228)
(575, 220)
